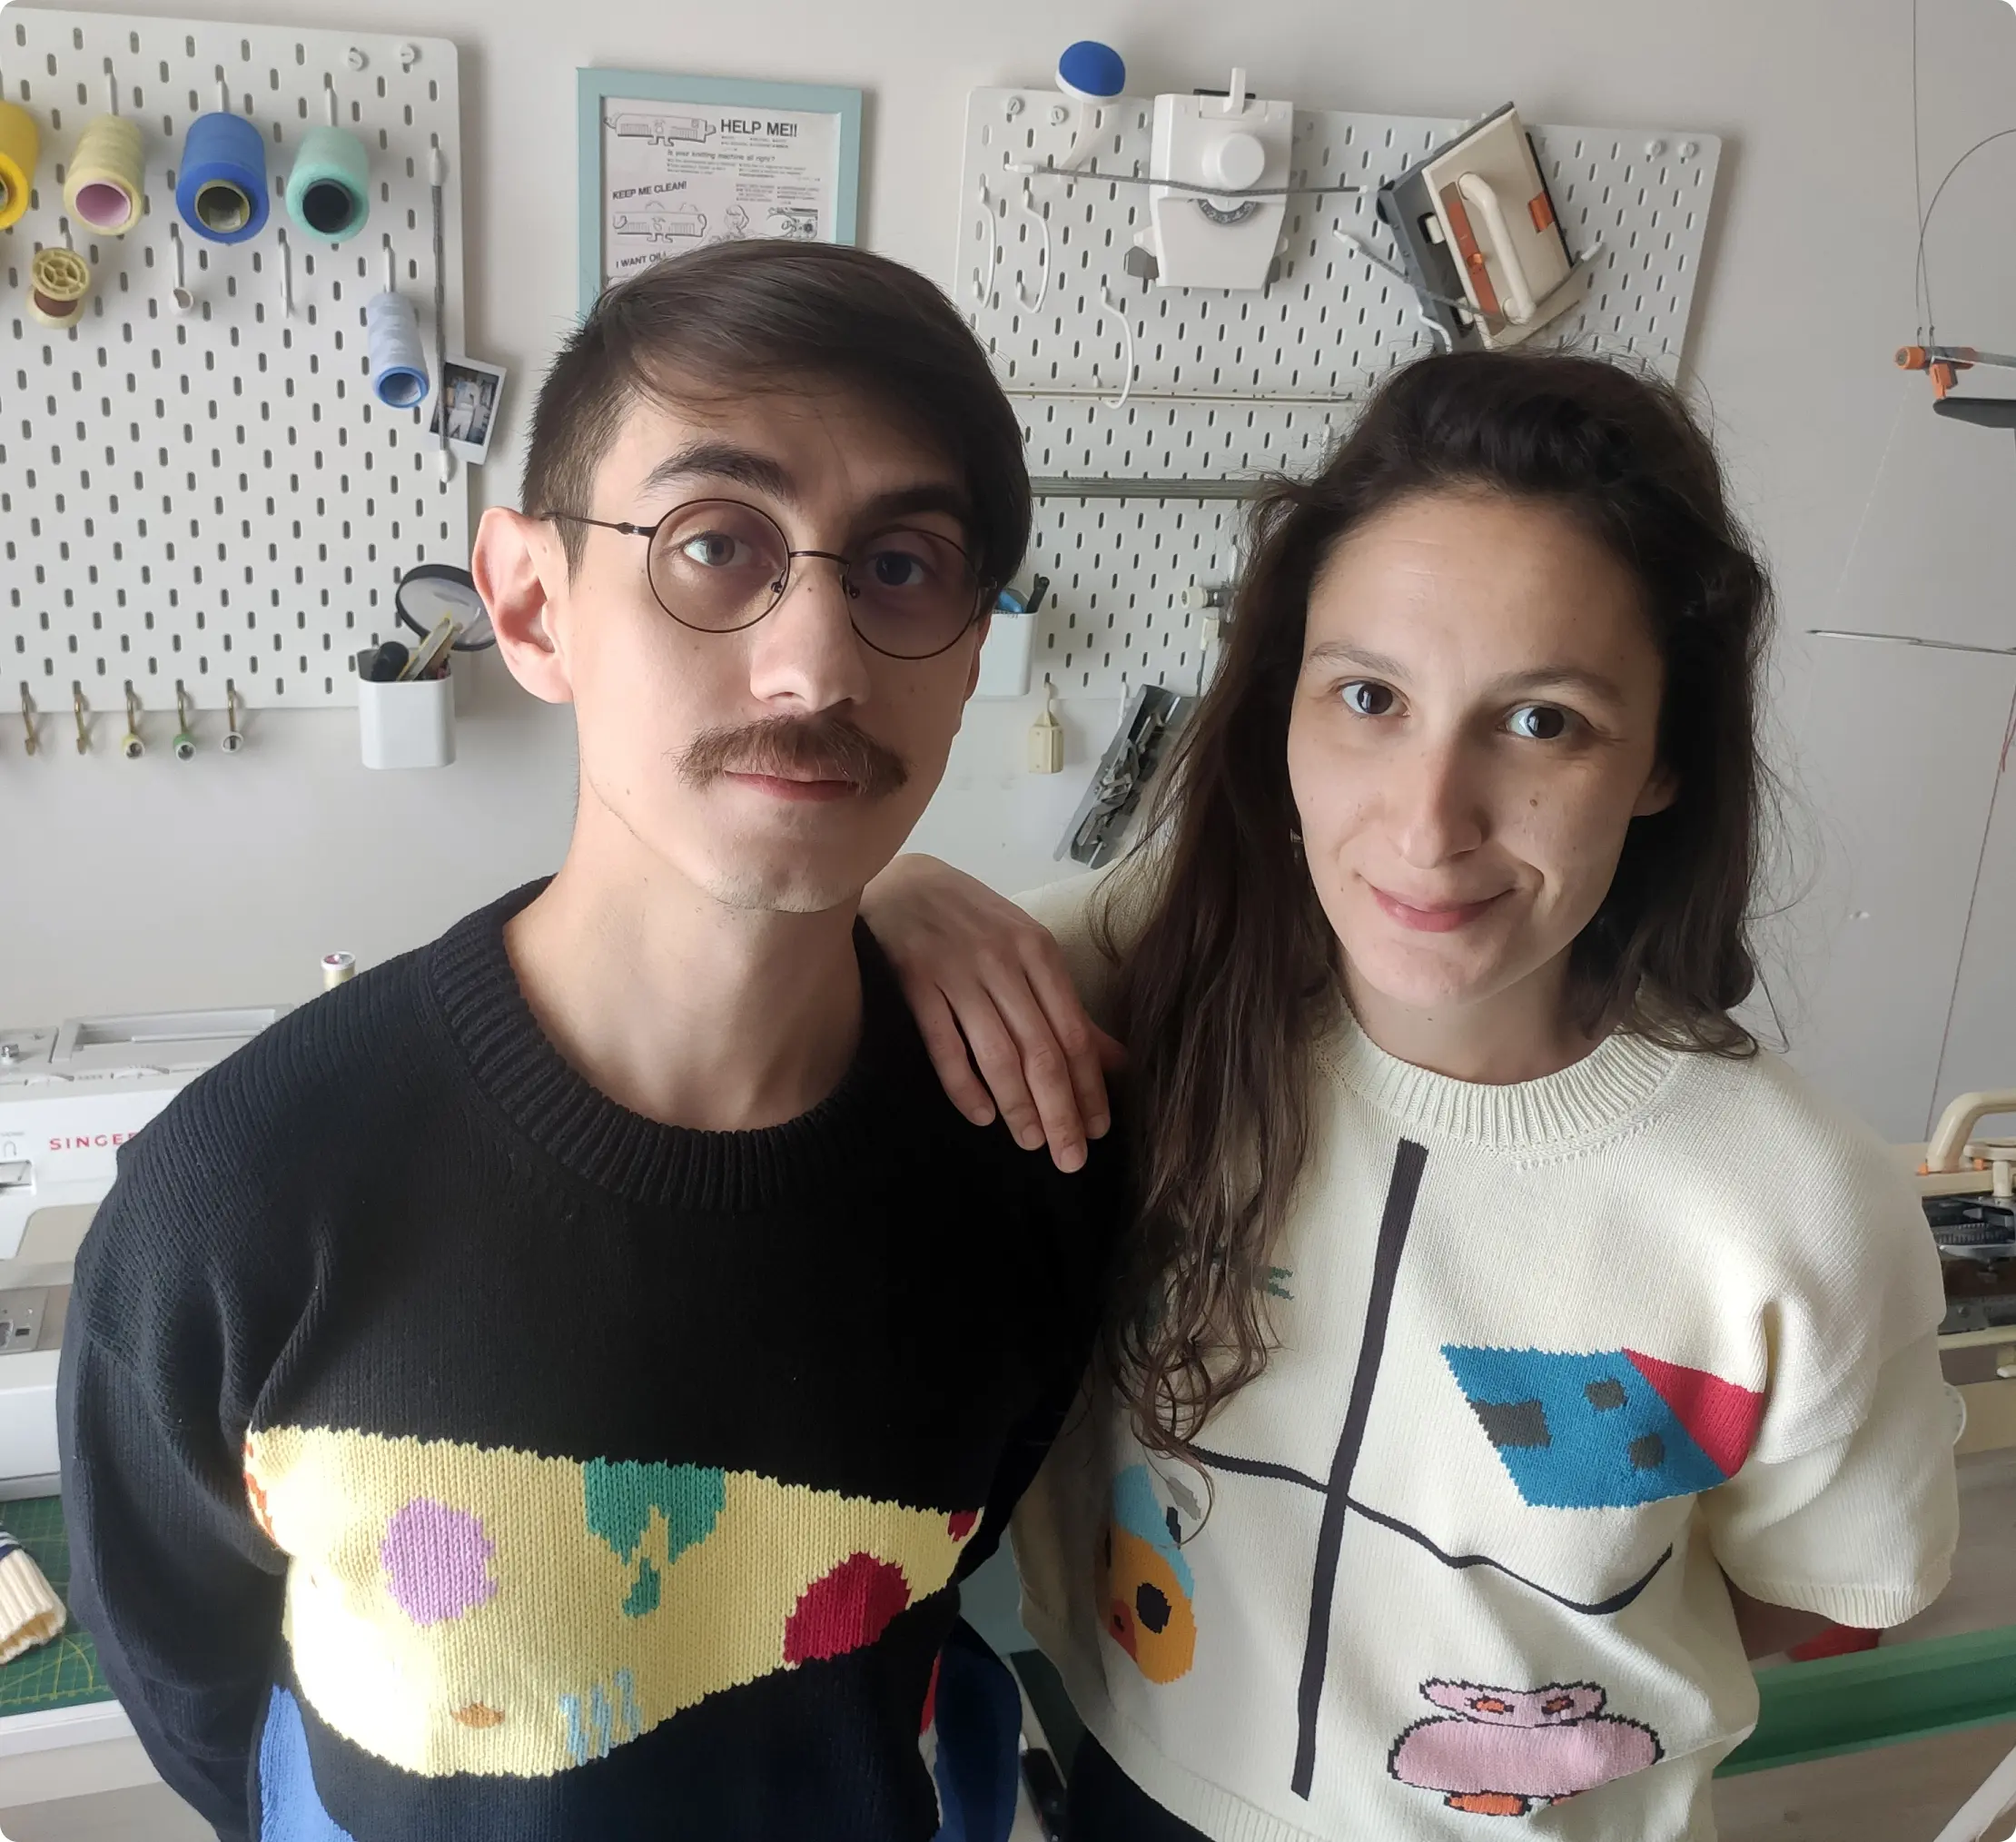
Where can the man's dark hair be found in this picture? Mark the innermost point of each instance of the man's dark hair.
(739, 319)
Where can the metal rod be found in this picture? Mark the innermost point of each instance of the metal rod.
(437, 176)
(1910, 640)
(1247, 401)
(1967, 354)
(1057, 486)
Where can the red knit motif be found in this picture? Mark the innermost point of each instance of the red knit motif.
(849, 1607)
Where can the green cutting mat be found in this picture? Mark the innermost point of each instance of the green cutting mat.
(64, 1672)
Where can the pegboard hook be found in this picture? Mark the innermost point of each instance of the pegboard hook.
(1127, 333)
(232, 741)
(1092, 118)
(409, 55)
(329, 100)
(223, 94)
(179, 298)
(131, 745)
(82, 714)
(185, 735)
(28, 718)
(983, 286)
(1042, 223)
(391, 273)
(112, 88)
(286, 278)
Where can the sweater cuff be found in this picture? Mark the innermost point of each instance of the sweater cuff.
(30, 1614)
(1860, 1607)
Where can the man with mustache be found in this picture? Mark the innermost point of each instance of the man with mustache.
(550, 1387)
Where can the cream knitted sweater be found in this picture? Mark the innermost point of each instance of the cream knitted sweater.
(1554, 1358)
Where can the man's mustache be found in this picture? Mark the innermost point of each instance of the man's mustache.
(820, 748)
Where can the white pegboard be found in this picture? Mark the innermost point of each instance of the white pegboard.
(1239, 383)
(218, 496)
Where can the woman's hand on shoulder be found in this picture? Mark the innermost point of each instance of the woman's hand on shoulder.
(990, 991)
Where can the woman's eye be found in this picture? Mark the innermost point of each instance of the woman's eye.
(1538, 722)
(1368, 699)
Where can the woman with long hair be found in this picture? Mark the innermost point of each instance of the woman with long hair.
(1507, 1340)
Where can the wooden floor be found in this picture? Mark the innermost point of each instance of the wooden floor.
(1900, 1794)
(1903, 1793)
(149, 1813)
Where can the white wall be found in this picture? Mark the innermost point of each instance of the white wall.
(159, 883)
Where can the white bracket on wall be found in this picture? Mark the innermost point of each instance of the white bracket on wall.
(1231, 385)
(196, 483)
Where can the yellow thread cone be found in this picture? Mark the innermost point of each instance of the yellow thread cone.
(20, 149)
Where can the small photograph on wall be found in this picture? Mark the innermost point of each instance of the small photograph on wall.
(470, 392)
(674, 163)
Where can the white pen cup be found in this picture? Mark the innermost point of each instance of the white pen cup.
(406, 725)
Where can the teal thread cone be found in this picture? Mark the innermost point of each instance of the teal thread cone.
(328, 191)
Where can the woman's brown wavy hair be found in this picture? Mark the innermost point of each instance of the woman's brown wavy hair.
(1233, 975)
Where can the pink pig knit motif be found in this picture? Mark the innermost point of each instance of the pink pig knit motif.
(1504, 1752)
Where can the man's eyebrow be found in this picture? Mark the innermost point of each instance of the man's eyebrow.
(723, 460)
(907, 501)
(1541, 678)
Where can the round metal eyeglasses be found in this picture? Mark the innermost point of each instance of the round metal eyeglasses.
(717, 566)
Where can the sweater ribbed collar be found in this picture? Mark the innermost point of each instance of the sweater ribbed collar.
(1607, 1088)
(514, 1062)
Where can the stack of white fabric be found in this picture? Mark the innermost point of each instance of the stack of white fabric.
(30, 1614)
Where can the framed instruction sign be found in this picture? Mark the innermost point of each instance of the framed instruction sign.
(670, 163)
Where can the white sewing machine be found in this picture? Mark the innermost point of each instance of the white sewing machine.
(69, 1097)
(1967, 1186)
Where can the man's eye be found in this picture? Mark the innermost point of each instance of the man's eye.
(713, 549)
(1368, 699)
(1538, 722)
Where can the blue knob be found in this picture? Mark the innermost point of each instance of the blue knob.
(1091, 71)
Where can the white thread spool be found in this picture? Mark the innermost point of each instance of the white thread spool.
(398, 365)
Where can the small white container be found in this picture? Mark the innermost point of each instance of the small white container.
(1005, 658)
(407, 725)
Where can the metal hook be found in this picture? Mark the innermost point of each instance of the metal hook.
(286, 278)
(130, 744)
(329, 100)
(112, 88)
(1043, 233)
(232, 741)
(391, 273)
(185, 740)
(223, 94)
(28, 717)
(82, 714)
